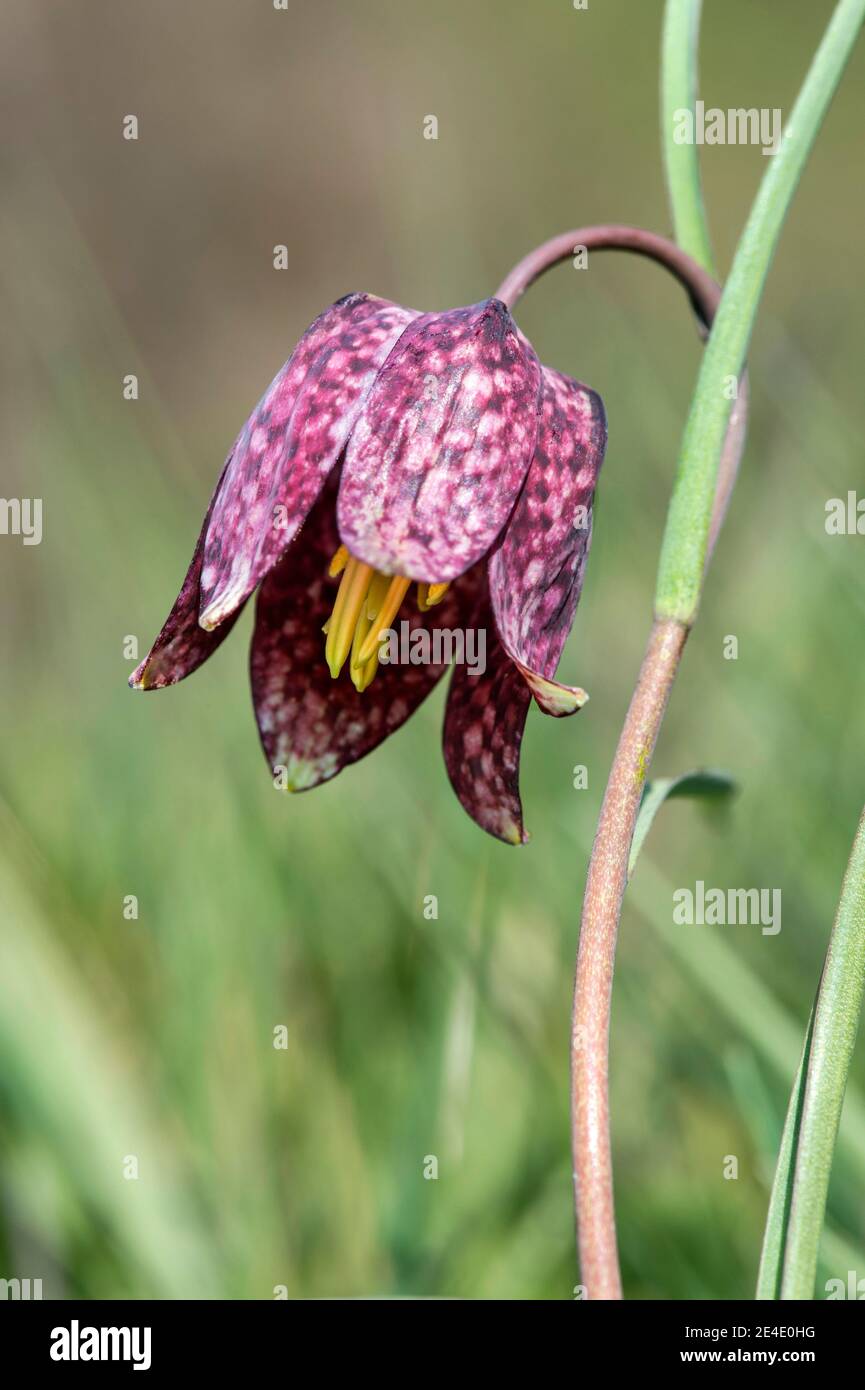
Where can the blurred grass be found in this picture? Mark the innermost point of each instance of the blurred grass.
(406, 1037)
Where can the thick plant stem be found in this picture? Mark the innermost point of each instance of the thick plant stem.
(608, 870)
(602, 905)
(694, 517)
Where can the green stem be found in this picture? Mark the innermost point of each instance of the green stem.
(679, 45)
(680, 573)
(836, 1020)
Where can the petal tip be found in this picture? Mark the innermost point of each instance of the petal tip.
(217, 608)
(551, 696)
(504, 827)
(300, 774)
(141, 678)
(560, 700)
(516, 835)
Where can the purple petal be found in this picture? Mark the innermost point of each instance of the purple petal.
(289, 445)
(442, 445)
(536, 571)
(183, 645)
(484, 721)
(310, 724)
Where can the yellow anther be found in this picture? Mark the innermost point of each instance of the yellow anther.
(362, 676)
(366, 604)
(348, 608)
(428, 595)
(396, 592)
(363, 672)
(377, 594)
(338, 563)
(357, 669)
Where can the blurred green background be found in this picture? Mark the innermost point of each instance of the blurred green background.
(153, 1038)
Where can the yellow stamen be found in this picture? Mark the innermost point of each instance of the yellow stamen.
(350, 601)
(357, 668)
(428, 595)
(377, 594)
(363, 672)
(396, 592)
(338, 563)
(364, 675)
(366, 604)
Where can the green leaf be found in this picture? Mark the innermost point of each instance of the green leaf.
(711, 785)
(683, 552)
(818, 1099)
(682, 162)
(778, 1216)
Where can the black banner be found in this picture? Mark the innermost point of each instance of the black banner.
(73, 1338)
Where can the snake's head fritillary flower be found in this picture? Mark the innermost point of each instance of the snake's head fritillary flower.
(398, 448)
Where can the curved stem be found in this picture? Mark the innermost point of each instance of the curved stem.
(703, 292)
(611, 236)
(608, 867)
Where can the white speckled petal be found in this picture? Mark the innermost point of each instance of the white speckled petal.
(485, 717)
(536, 570)
(442, 444)
(290, 443)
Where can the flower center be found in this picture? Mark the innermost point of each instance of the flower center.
(367, 602)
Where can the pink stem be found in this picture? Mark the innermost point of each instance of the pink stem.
(608, 867)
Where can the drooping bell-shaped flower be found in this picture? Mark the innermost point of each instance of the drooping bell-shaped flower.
(397, 448)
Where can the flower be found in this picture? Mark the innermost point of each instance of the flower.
(397, 447)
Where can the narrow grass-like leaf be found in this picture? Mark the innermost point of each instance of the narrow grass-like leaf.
(724, 977)
(682, 161)
(713, 785)
(836, 1020)
(778, 1215)
(683, 551)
